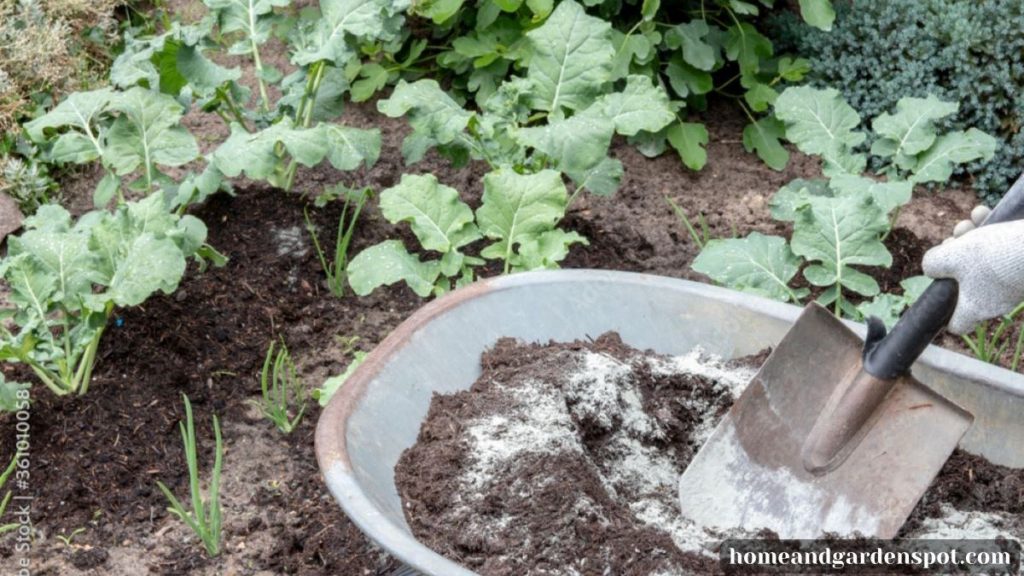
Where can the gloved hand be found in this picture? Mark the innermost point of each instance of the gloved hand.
(987, 262)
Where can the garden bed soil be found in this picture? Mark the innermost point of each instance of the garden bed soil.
(95, 460)
(563, 459)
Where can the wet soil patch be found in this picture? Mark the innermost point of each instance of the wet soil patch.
(563, 459)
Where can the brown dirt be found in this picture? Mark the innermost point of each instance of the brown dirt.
(529, 519)
(528, 516)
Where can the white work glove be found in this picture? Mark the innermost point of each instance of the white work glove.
(987, 262)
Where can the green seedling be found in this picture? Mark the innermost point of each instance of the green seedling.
(335, 268)
(205, 517)
(4, 528)
(282, 391)
(701, 237)
(66, 539)
(992, 338)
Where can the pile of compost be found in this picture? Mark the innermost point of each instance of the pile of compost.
(564, 458)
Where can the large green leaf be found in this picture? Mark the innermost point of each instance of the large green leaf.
(434, 117)
(936, 164)
(837, 233)
(820, 122)
(690, 38)
(255, 155)
(437, 10)
(518, 208)
(147, 132)
(438, 218)
(785, 203)
(747, 47)
(349, 147)
(763, 137)
(65, 255)
(689, 139)
(576, 144)
(546, 250)
(173, 62)
(602, 179)
(366, 20)
(818, 13)
(571, 59)
(641, 105)
(150, 264)
(78, 113)
(387, 263)
(32, 285)
(911, 130)
(253, 18)
(887, 195)
(759, 264)
(686, 79)
(78, 110)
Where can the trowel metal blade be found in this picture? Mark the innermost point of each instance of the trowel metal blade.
(750, 473)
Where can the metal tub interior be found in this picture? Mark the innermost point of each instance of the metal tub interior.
(378, 412)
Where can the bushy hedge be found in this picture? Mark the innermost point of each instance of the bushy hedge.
(960, 50)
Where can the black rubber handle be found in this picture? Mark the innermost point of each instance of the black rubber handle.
(891, 356)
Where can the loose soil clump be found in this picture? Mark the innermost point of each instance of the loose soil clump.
(563, 459)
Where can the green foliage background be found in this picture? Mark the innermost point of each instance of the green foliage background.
(962, 51)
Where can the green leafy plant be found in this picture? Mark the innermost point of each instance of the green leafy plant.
(335, 268)
(839, 222)
(518, 215)
(68, 276)
(205, 517)
(559, 115)
(694, 48)
(129, 132)
(269, 139)
(956, 50)
(992, 338)
(283, 396)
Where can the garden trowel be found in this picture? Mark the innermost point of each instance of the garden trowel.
(834, 435)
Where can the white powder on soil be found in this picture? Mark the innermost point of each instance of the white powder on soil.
(957, 525)
(603, 391)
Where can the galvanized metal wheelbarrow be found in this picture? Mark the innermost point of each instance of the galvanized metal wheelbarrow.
(378, 412)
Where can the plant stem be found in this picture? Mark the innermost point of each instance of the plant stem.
(305, 113)
(258, 63)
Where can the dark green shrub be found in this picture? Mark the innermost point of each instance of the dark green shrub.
(959, 50)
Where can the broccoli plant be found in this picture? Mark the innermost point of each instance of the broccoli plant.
(67, 277)
(841, 220)
(129, 132)
(560, 115)
(518, 217)
(268, 139)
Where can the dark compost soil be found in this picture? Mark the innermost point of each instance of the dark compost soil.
(526, 516)
(95, 460)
